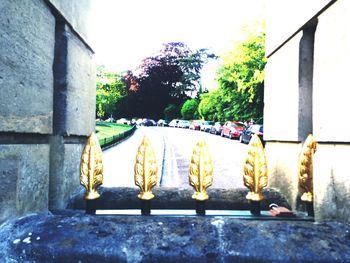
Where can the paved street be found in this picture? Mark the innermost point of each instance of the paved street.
(174, 148)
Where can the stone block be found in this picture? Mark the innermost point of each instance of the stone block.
(64, 171)
(78, 15)
(81, 89)
(331, 84)
(331, 182)
(282, 93)
(70, 236)
(27, 39)
(282, 161)
(24, 171)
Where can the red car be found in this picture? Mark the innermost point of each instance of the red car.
(195, 125)
(232, 129)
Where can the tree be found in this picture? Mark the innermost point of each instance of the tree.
(211, 106)
(241, 79)
(100, 112)
(171, 112)
(189, 109)
(110, 91)
(169, 77)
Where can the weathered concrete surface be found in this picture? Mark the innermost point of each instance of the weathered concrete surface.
(20, 193)
(282, 82)
(64, 171)
(331, 182)
(26, 57)
(47, 90)
(78, 14)
(81, 97)
(282, 161)
(175, 198)
(74, 98)
(331, 85)
(75, 237)
(320, 91)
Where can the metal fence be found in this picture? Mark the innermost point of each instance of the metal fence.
(255, 178)
(112, 140)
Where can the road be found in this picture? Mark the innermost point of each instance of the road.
(173, 147)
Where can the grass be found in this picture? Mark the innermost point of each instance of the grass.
(108, 132)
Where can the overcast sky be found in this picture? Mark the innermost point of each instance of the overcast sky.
(126, 31)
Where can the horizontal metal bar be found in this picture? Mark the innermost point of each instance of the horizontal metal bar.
(239, 214)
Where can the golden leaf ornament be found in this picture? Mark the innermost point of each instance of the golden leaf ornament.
(255, 169)
(305, 168)
(146, 169)
(91, 167)
(201, 171)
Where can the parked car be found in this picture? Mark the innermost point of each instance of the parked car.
(195, 125)
(216, 128)
(123, 121)
(149, 122)
(173, 123)
(162, 123)
(183, 124)
(139, 122)
(232, 129)
(110, 119)
(247, 134)
(206, 126)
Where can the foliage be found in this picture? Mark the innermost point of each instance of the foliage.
(163, 84)
(169, 77)
(171, 112)
(110, 91)
(241, 79)
(100, 113)
(209, 107)
(241, 84)
(189, 109)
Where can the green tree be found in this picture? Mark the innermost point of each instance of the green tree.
(110, 91)
(100, 112)
(189, 109)
(171, 112)
(241, 79)
(210, 106)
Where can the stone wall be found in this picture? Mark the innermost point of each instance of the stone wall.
(47, 105)
(306, 92)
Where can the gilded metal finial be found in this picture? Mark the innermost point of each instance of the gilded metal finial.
(255, 169)
(305, 168)
(201, 171)
(91, 167)
(146, 169)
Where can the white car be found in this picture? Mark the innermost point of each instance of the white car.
(124, 121)
(173, 123)
(183, 124)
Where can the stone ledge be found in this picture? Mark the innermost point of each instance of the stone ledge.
(75, 237)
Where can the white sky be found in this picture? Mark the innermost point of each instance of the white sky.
(126, 31)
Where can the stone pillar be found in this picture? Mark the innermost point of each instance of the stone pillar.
(331, 110)
(281, 118)
(47, 104)
(306, 91)
(73, 112)
(288, 109)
